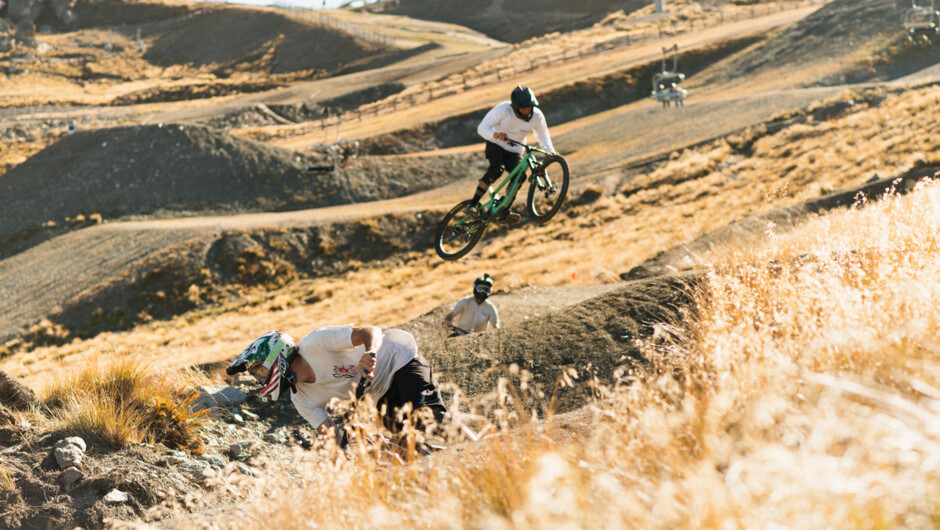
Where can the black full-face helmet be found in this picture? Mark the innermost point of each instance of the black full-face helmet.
(482, 286)
(522, 97)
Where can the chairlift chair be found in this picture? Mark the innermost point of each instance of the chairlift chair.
(922, 22)
(666, 87)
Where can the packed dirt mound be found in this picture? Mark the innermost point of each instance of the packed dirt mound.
(16, 395)
(172, 170)
(865, 37)
(517, 20)
(94, 13)
(228, 40)
(595, 338)
(206, 267)
(514, 307)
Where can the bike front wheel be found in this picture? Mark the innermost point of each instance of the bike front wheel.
(458, 233)
(548, 188)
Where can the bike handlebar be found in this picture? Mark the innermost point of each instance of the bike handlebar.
(527, 147)
(458, 330)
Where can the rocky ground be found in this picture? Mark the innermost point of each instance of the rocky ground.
(67, 481)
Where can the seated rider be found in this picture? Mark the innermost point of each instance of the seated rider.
(474, 313)
(513, 119)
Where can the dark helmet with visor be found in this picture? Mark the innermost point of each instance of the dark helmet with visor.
(483, 286)
(522, 97)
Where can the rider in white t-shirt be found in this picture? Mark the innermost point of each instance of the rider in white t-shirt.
(329, 363)
(474, 313)
(511, 120)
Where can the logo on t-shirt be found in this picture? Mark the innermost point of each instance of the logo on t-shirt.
(348, 371)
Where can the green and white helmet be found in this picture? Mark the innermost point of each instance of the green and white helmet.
(273, 350)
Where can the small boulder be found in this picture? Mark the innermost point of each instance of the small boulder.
(215, 396)
(203, 473)
(69, 477)
(69, 452)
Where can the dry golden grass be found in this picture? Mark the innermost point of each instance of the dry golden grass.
(805, 392)
(124, 402)
(6, 480)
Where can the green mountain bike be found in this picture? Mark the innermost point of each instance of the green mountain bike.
(459, 231)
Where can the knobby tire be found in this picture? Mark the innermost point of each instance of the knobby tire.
(545, 201)
(446, 234)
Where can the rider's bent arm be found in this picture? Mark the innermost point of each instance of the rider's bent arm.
(368, 336)
(448, 319)
(485, 129)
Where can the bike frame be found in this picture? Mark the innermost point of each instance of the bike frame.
(497, 204)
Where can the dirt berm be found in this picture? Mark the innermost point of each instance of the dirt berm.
(598, 338)
(595, 338)
(174, 170)
(227, 39)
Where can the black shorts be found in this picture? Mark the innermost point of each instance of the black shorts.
(499, 158)
(413, 383)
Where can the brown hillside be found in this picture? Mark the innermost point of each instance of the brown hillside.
(175, 169)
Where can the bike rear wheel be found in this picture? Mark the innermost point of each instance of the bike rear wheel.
(548, 189)
(458, 233)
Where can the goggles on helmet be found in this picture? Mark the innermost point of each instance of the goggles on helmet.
(272, 351)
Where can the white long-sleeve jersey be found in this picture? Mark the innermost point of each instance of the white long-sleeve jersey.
(502, 119)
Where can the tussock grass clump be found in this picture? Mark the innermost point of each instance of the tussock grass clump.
(125, 402)
(805, 392)
(6, 480)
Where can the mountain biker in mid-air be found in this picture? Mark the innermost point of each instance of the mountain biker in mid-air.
(473, 313)
(510, 120)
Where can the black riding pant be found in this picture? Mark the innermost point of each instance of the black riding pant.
(499, 158)
(414, 384)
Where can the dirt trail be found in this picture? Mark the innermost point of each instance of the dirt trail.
(546, 78)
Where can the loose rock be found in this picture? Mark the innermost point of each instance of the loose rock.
(115, 497)
(213, 397)
(69, 452)
(69, 477)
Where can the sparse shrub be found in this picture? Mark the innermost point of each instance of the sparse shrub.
(46, 332)
(123, 402)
